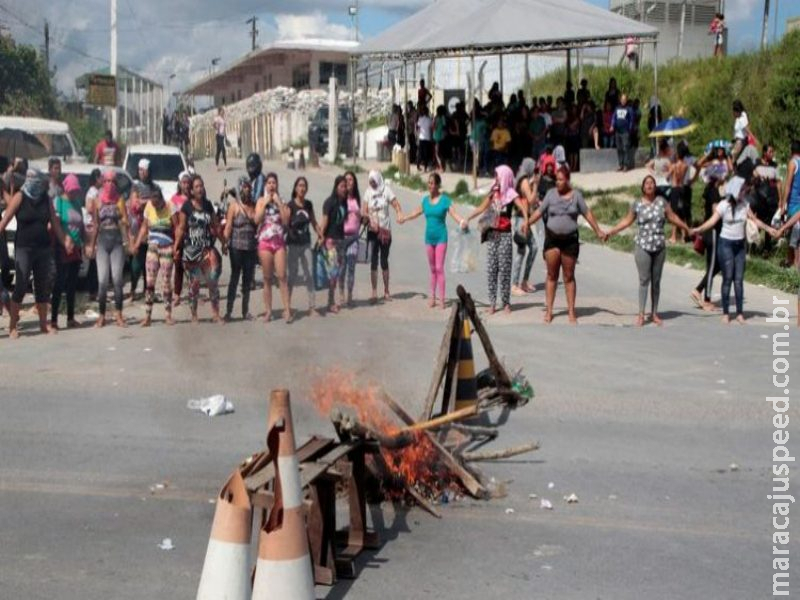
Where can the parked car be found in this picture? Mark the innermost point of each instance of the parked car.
(318, 131)
(166, 164)
(55, 136)
(82, 171)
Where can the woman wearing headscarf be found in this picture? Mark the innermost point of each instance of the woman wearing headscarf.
(33, 251)
(141, 192)
(240, 233)
(561, 208)
(178, 200)
(107, 243)
(378, 198)
(352, 228)
(650, 214)
(159, 222)
(526, 186)
(272, 217)
(334, 214)
(501, 199)
(68, 264)
(198, 227)
(298, 241)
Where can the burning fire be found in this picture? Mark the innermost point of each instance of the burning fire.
(417, 465)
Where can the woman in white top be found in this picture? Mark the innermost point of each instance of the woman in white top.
(741, 129)
(377, 199)
(734, 211)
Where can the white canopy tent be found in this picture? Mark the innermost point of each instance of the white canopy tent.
(470, 28)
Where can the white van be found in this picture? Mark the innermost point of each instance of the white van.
(55, 136)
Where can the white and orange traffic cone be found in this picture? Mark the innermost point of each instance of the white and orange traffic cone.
(283, 570)
(226, 570)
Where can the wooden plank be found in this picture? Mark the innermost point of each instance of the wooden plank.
(441, 363)
(307, 451)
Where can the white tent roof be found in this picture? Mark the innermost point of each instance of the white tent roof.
(475, 27)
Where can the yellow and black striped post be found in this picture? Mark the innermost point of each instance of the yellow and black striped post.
(467, 384)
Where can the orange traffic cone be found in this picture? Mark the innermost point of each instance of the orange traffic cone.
(283, 570)
(467, 384)
(226, 570)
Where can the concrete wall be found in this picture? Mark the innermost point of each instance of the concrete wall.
(276, 70)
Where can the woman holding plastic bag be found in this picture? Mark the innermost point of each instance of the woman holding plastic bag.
(436, 206)
(498, 207)
(332, 253)
(378, 198)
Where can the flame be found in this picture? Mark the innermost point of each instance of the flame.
(417, 464)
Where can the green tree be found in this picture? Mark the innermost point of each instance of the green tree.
(25, 87)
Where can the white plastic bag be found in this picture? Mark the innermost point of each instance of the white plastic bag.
(465, 251)
(213, 406)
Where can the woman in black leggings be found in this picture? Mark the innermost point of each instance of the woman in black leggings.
(701, 295)
(377, 200)
(33, 251)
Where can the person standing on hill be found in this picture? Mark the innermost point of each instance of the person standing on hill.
(717, 29)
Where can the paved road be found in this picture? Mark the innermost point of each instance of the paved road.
(641, 424)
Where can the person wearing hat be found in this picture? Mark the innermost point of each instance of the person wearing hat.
(35, 216)
(141, 192)
(68, 264)
(107, 245)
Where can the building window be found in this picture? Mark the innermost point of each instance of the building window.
(328, 70)
(301, 77)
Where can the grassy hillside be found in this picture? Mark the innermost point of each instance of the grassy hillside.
(768, 83)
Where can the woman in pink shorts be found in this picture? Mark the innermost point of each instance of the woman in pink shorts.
(272, 217)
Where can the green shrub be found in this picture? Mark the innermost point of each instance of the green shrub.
(462, 188)
(702, 90)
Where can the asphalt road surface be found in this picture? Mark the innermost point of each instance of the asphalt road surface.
(642, 424)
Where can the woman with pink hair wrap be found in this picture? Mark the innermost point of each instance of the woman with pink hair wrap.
(498, 207)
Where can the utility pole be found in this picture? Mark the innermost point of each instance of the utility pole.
(682, 30)
(353, 11)
(253, 31)
(47, 45)
(764, 25)
(113, 69)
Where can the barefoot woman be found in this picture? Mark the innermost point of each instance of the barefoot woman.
(561, 208)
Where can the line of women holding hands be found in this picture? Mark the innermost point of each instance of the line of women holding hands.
(276, 234)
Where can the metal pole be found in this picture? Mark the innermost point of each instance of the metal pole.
(113, 69)
(682, 29)
(764, 25)
(125, 108)
(354, 134)
(140, 108)
(527, 75)
(502, 89)
(655, 77)
(569, 66)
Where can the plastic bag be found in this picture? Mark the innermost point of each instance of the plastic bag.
(466, 246)
(321, 277)
(213, 406)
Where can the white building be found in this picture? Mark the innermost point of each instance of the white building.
(669, 16)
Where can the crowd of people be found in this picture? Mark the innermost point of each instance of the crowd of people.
(500, 133)
(178, 235)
